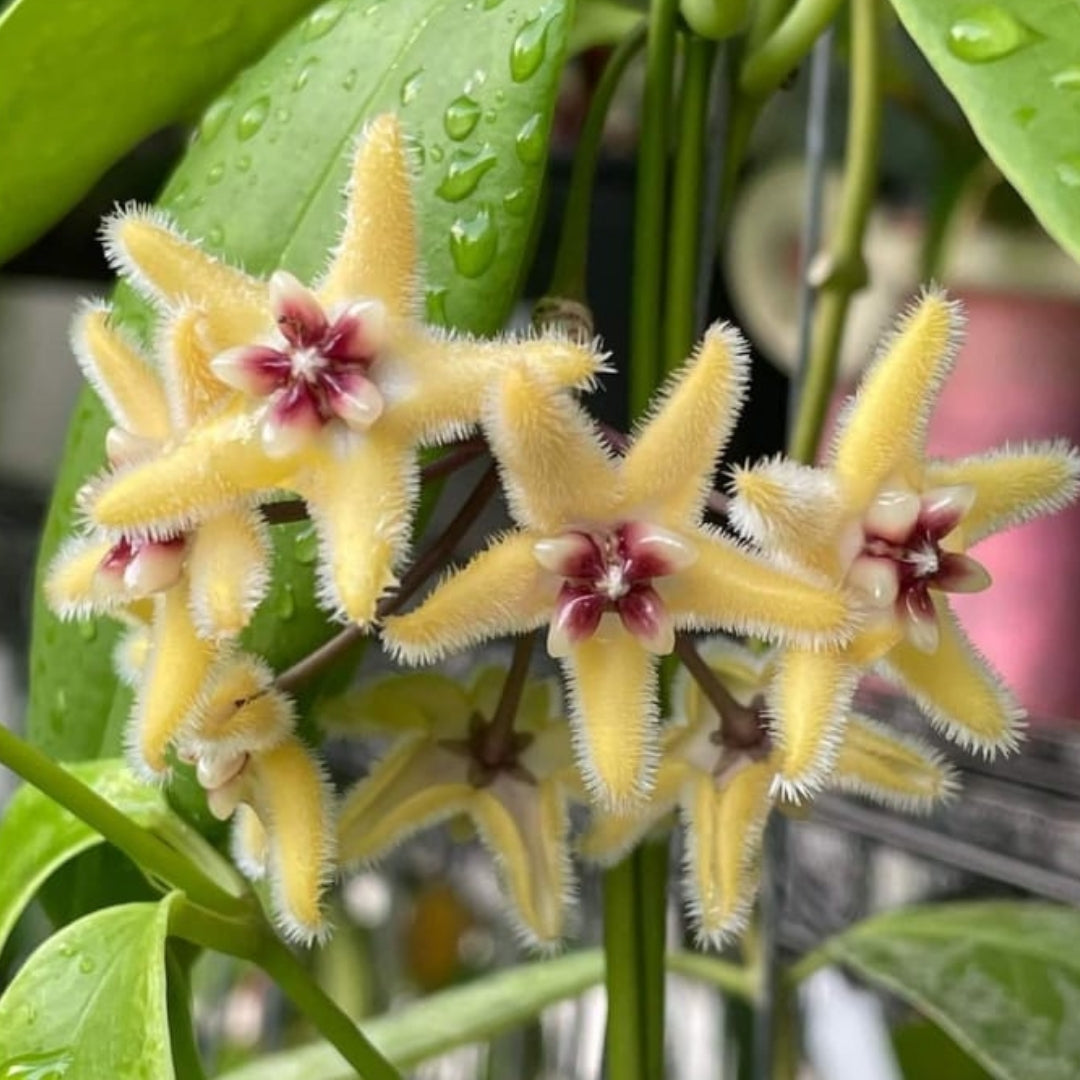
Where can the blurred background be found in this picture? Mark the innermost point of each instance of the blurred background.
(431, 916)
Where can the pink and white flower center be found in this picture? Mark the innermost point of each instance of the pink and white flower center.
(902, 558)
(610, 572)
(317, 372)
(143, 567)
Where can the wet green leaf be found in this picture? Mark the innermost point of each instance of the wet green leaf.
(471, 1013)
(1014, 68)
(474, 82)
(37, 835)
(83, 83)
(91, 1002)
(1001, 979)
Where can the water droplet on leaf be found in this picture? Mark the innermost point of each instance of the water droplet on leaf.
(215, 236)
(243, 163)
(528, 48)
(460, 117)
(252, 118)
(307, 547)
(530, 140)
(473, 242)
(88, 630)
(516, 202)
(50, 1065)
(435, 305)
(411, 86)
(215, 172)
(437, 153)
(349, 82)
(464, 172)
(213, 120)
(303, 76)
(1068, 170)
(987, 33)
(323, 19)
(287, 605)
(1025, 114)
(1067, 79)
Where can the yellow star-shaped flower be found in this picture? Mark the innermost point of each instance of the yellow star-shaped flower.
(450, 759)
(241, 739)
(335, 386)
(894, 527)
(196, 587)
(612, 555)
(719, 775)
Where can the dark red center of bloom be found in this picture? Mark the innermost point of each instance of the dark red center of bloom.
(611, 571)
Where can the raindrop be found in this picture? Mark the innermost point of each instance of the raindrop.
(437, 153)
(411, 86)
(1067, 79)
(88, 629)
(464, 172)
(214, 118)
(473, 242)
(215, 236)
(500, 96)
(1025, 114)
(529, 46)
(323, 19)
(435, 305)
(530, 140)
(490, 5)
(51, 1065)
(987, 33)
(243, 163)
(178, 196)
(460, 117)
(1068, 170)
(307, 547)
(287, 604)
(215, 172)
(490, 116)
(253, 118)
(87, 964)
(282, 115)
(349, 82)
(516, 202)
(303, 76)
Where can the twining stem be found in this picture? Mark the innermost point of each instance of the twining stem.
(258, 944)
(650, 864)
(432, 560)
(686, 202)
(771, 62)
(571, 260)
(650, 204)
(146, 850)
(842, 271)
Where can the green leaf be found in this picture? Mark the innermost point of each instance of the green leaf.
(37, 835)
(474, 82)
(471, 1013)
(923, 1050)
(1002, 979)
(602, 22)
(91, 1002)
(1014, 68)
(83, 83)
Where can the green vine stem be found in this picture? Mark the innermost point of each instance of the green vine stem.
(841, 271)
(623, 1044)
(686, 196)
(767, 66)
(571, 260)
(255, 942)
(150, 853)
(650, 205)
(650, 865)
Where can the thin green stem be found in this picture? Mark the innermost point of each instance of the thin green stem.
(686, 200)
(571, 260)
(623, 1042)
(766, 15)
(651, 872)
(650, 205)
(768, 65)
(732, 979)
(843, 270)
(151, 854)
(257, 943)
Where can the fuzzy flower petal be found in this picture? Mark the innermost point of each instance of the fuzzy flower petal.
(194, 391)
(1011, 486)
(669, 469)
(883, 432)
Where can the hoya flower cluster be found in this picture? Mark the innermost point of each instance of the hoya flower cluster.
(259, 390)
